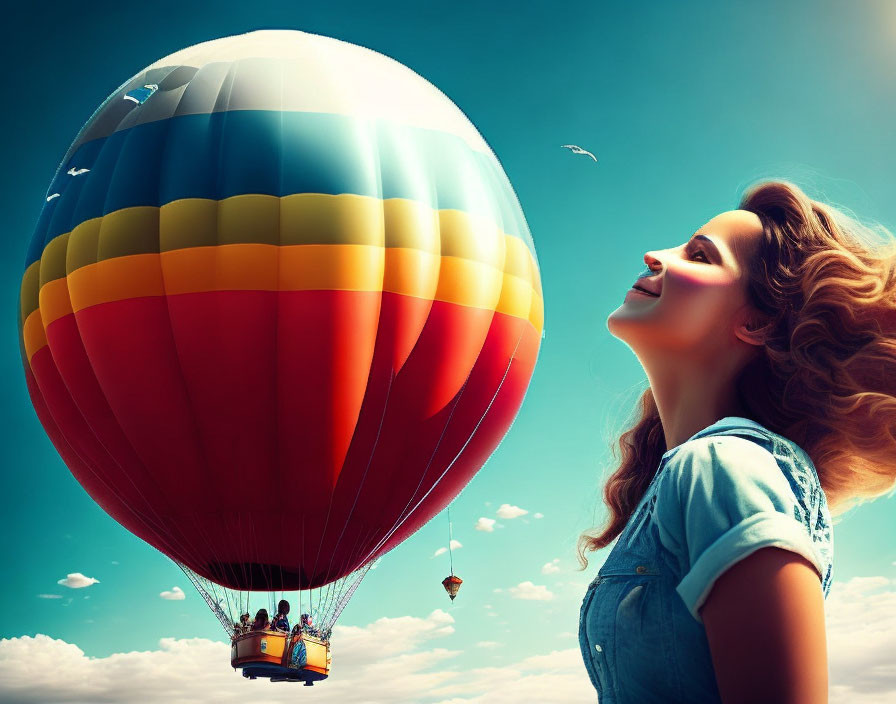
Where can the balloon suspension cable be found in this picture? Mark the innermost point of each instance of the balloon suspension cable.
(212, 602)
(354, 581)
(331, 599)
(450, 556)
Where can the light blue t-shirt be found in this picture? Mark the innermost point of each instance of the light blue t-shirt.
(729, 490)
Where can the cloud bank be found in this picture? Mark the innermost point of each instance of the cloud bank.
(390, 660)
(400, 660)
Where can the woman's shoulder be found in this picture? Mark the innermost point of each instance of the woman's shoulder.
(734, 440)
(711, 454)
(738, 460)
(739, 456)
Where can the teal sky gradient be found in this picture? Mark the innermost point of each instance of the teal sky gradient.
(684, 104)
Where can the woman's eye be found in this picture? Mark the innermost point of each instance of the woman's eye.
(702, 254)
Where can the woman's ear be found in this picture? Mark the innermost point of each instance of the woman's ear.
(751, 333)
(749, 327)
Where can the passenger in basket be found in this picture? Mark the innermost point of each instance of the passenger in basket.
(245, 623)
(262, 623)
(280, 621)
(299, 657)
(306, 625)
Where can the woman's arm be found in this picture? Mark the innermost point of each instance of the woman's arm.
(765, 624)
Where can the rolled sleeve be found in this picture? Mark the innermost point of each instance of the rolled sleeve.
(723, 498)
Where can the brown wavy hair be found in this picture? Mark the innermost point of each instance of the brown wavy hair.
(825, 376)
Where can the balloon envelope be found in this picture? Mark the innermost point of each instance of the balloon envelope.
(280, 305)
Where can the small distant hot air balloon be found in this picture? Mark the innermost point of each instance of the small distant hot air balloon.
(278, 262)
(452, 584)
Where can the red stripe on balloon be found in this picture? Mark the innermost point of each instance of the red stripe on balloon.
(288, 432)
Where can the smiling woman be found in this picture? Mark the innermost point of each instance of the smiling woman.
(769, 343)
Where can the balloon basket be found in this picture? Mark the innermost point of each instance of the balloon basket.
(267, 654)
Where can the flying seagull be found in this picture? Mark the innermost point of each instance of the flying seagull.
(578, 150)
(77, 172)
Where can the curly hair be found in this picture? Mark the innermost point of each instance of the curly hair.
(825, 376)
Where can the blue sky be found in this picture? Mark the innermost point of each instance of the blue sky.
(684, 104)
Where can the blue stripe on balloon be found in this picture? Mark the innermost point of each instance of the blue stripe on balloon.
(222, 154)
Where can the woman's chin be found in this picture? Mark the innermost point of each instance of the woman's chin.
(630, 326)
(623, 316)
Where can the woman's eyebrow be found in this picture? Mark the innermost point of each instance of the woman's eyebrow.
(712, 245)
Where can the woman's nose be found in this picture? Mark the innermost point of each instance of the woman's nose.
(653, 265)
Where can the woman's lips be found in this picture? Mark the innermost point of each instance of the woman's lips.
(644, 293)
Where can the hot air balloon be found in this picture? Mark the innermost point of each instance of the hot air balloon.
(280, 305)
(451, 582)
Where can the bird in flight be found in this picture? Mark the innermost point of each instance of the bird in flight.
(578, 150)
(77, 172)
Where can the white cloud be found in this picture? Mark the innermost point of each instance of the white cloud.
(487, 644)
(861, 636)
(401, 660)
(508, 511)
(486, 525)
(390, 660)
(538, 515)
(176, 594)
(455, 544)
(76, 580)
(49, 596)
(531, 592)
(551, 567)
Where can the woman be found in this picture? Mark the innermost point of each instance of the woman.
(769, 344)
(242, 626)
(261, 623)
(299, 656)
(281, 623)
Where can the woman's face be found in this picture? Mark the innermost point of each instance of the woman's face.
(702, 290)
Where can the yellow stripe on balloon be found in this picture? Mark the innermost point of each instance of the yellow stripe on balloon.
(301, 218)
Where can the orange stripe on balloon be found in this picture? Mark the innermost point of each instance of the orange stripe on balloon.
(117, 279)
(33, 334)
(263, 267)
(55, 300)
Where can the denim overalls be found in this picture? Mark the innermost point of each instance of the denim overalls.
(711, 503)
